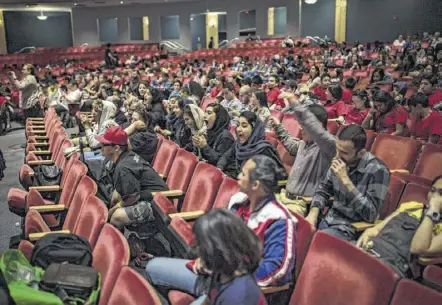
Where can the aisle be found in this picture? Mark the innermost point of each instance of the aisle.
(14, 156)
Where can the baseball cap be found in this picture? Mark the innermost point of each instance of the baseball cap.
(114, 135)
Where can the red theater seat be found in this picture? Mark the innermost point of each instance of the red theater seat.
(336, 273)
(291, 125)
(164, 157)
(433, 274)
(415, 192)
(412, 293)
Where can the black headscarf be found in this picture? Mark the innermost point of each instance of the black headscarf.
(256, 145)
(221, 123)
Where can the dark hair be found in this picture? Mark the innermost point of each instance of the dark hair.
(381, 74)
(246, 81)
(320, 113)
(229, 86)
(196, 89)
(145, 115)
(324, 75)
(436, 179)
(183, 102)
(418, 98)
(350, 83)
(363, 95)
(431, 78)
(317, 72)
(222, 254)
(178, 81)
(291, 84)
(215, 107)
(336, 91)
(262, 98)
(221, 79)
(185, 90)
(381, 96)
(188, 111)
(267, 172)
(276, 77)
(250, 116)
(354, 133)
(257, 80)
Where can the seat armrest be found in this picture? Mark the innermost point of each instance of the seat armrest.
(401, 171)
(41, 137)
(46, 188)
(40, 235)
(36, 119)
(40, 144)
(187, 215)
(362, 226)
(40, 152)
(40, 162)
(48, 208)
(39, 131)
(31, 174)
(170, 194)
(273, 289)
(282, 182)
(435, 259)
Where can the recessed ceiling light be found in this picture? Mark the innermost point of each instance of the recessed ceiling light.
(75, 4)
(121, 2)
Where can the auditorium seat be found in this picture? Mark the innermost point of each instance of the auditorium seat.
(428, 166)
(132, 289)
(207, 100)
(412, 293)
(371, 136)
(291, 125)
(160, 141)
(200, 195)
(332, 127)
(415, 192)
(304, 236)
(272, 140)
(110, 254)
(396, 152)
(286, 157)
(279, 115)
(433, 275)
(335, 273)
(20, 200)
(164, 157)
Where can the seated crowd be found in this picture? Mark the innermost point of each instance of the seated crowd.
(229, 116)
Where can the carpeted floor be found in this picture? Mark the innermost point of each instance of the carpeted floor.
(14, 156)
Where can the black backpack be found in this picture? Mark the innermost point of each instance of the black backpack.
(46, 175)
(2, 165)
(61, 248)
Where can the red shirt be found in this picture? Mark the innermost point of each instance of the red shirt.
(346, 96)
(356, 116)
(335, 110)
(272, 97)
(386, 123)
(215, 91)
(431, 125)
(435, 98)
(320, 93)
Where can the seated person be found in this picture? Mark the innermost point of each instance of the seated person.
(258, 103)
(133, 180)
(194, 119)
(335, 106)
(103, 113)
(379, 77)
(66, 96)
(347, 93)
(314, 153)
(218, 139)
(426, 124)
(321, 90)
(386, 116)
(274, 102)
(143, 139)
(120, 117)
(357, 180)
(231, 103)
(258, 209)
(179, 131)
(361, 107)
(250, 142)
(428, 83)
(411, 229)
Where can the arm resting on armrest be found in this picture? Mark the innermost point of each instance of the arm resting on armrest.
(273, 289)
(46, 188)
(37, 236)
(40, 162)
(170, 194)
(187, 215)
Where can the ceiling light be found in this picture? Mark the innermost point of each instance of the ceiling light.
(310, 1)
(42, 17)
(75, 4)
(121, 2)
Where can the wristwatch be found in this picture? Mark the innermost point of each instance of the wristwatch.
(434, 216)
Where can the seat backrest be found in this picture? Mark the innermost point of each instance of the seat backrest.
(61, 159)
(203, 188)
(272, 140)
(291, 125)
(85, 188)
(207, 100)
(277, 114)
(164, 157)
(304, 235)
(429, 164)
(412, 293)
(371, 136)
(415, 192)
(67, 166)
(91, 220)
(160, 141)
(182, 170)
(391, 201)
(396, 152)
(286, 157)
(227, 189)
(334, 272)
(76, 172)
(132, 289)
(110, 254)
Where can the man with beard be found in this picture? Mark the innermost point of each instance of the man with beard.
(357, 180)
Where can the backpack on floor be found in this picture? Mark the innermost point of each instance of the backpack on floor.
(61, 248)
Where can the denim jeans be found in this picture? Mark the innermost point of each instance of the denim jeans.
(172, 273)
(335, 231)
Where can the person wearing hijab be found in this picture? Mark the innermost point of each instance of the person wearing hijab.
(194, 119)
(250, 142)
(142, 138)
(219, 139)
(178, 131)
